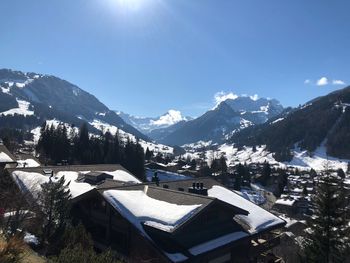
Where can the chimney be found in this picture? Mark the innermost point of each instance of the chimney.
(145, 189)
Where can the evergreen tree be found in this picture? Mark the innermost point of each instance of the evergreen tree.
(148, 155)
(266, 172)
(54, 200)
(328, 238)
(83, 145)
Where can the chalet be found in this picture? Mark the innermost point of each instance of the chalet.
(177, 221)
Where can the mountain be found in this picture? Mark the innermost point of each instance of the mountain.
(320, 124)
(154, 125)
(29, 99)
(226, 118)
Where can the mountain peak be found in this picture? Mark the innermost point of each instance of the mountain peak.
(169, 118)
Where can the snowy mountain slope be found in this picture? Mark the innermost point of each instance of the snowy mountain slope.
(103, 127)
(228, 117)
(301, 158)
(33, 98)
(148, 124)
(323, 122)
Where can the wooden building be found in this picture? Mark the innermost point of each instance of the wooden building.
(145, 223)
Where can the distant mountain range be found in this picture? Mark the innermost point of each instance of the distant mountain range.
(147, 124)
(218, 124)
(29, 99)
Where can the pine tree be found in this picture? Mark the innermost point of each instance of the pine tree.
(239, 177)
(148, 154)
(266, 172)
(54, 200)
(328, 237)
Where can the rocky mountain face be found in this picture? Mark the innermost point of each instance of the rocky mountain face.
(321, 123)
(227, 118)
(33, 98)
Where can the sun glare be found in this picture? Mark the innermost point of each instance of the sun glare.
(132, 5)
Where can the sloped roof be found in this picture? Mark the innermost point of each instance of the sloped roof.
(162, 195)
(31, 178)
(5, 155)
(258, 219)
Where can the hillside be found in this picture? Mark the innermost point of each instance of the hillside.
(29, 99)
(322, 122)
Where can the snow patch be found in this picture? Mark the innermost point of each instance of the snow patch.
(172, 117)
(137, 205)
(22, 109)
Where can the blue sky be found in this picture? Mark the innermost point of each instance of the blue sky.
(147, 56)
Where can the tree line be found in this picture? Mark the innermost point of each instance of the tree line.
(58, 145)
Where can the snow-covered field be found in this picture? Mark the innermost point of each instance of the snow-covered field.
(165, 176)
(23, 109)
(104, 127)
(302, 159)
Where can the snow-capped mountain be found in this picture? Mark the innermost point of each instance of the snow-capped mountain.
(148, 124)
(320, 125)
(228, 117)
(29, 99)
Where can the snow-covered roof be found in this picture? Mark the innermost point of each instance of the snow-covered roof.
(137, 206)
(30, 179)
(123, 176)
(285, 201)
(5, 155)
(258, 218)
(4, 158)
(27, 163)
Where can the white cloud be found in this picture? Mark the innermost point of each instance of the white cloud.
(338, 82)
(222, 96)
(322, 81)
(307, 81)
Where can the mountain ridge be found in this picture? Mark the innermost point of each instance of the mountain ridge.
(44, 97)
(229, 116)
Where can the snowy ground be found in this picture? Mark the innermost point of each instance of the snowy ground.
(165, 176)
(23, 109)
(301, 160)
(103, 126)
